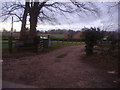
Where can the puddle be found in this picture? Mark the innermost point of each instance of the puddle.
(1, 61)
(111, 72)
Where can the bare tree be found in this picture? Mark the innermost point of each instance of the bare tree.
(39, 11)
(11, 9)
(34, 11)
(23, 27)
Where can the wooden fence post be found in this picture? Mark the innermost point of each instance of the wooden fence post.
(57, 42)
(10, 39)
(10, 44)
(49, 41)
(63, 42)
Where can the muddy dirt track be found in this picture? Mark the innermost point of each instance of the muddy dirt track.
(60, 68)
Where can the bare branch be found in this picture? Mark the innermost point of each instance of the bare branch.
(51, 4)
(12, 8)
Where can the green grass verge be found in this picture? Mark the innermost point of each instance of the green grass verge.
(53, 43)
(61, 43)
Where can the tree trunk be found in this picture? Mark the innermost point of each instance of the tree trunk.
(34, 12)
(23, 27)
(33, 8)
(33, 25)
(89, 49)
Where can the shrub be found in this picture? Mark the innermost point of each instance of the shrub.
(91, 36)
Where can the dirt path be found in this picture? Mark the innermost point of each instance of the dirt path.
(61, 68)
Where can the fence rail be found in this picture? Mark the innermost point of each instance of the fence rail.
(43, 43)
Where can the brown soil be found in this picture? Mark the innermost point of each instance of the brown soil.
(61, 68)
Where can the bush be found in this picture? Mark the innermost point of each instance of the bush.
(91, 36)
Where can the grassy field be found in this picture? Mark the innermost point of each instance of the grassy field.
(5, 35)
(52, 43)
(60, 43)
(53, 35)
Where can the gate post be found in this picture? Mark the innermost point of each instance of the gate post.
(49, 41)
(10, 44)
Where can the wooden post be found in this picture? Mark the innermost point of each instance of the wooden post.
(10, 39)
(49, 42)
(63, 41)
(12, 26)
(10, 45)
(57, 42)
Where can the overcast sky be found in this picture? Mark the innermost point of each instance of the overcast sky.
(105, 19)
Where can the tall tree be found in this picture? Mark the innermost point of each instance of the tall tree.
(34, 11)
(39, 11)
(23, 26)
